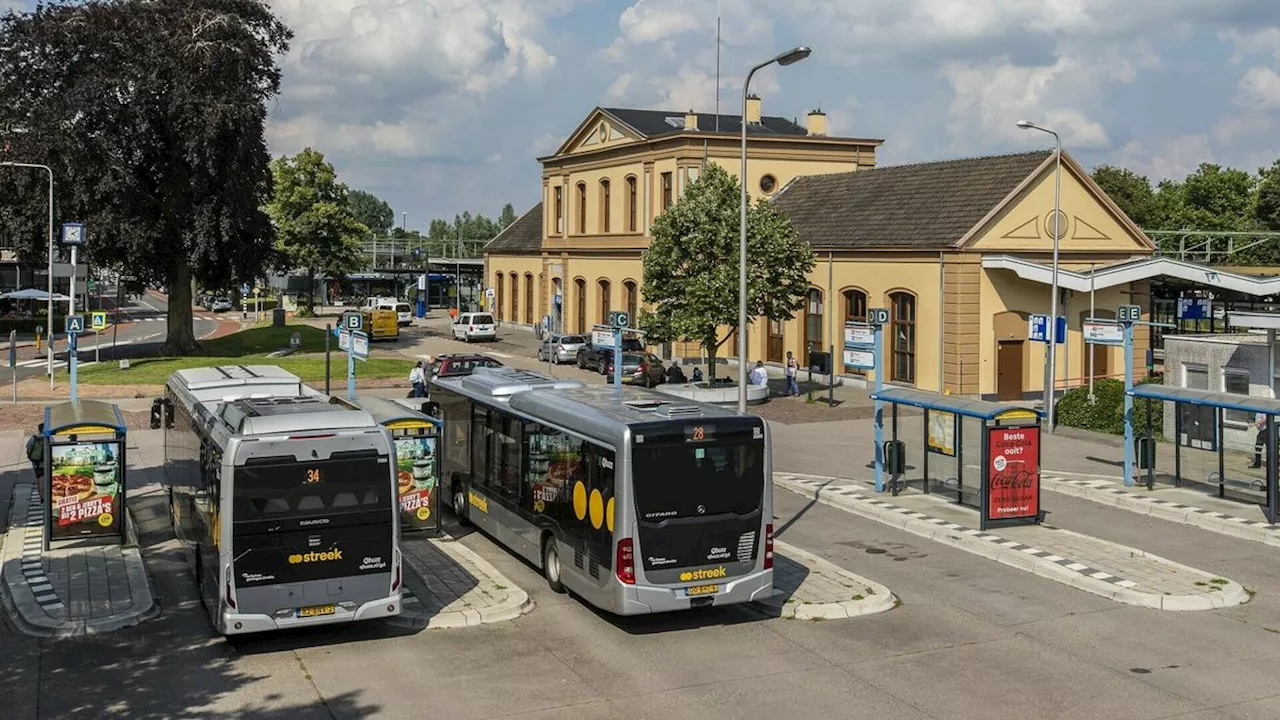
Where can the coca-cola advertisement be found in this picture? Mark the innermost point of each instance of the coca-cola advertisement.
(1013, 472)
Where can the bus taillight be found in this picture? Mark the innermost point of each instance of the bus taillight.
(626, 562)
(768, 546)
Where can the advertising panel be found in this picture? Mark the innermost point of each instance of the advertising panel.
(1013, 472)
(85, 489)
(1103, 334)
(942, 432)
(417, 470)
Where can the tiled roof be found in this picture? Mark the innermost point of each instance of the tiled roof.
(654, 122)
(925, 205)
(522, 236)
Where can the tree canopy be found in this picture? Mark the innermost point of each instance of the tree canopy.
(151, 114)
(371, 211)
(691, 268)
(315, 227)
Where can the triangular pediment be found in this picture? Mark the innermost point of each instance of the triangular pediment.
(1029, 230)
(599, 130)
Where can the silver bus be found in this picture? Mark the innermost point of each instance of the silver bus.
(638, 504)
(285, 503)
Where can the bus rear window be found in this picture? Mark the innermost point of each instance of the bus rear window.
(686, 480)
(295, 492)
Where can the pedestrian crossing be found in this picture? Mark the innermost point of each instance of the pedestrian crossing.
(57, 364)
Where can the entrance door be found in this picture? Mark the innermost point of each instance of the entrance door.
(775, 340)
(1099, 361)
(1009, 371)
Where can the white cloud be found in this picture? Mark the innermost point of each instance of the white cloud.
(1255, 42)
(1260, 87)
(1232, 129)
(1174, 159)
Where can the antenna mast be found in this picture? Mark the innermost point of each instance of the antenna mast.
(717, 65)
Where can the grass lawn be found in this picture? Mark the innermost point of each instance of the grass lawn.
(250, 347)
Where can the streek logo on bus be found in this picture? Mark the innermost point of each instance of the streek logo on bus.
(311, 557)
(704, 574)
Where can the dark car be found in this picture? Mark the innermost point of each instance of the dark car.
(456, 364)
(638, 369)
(595, 357)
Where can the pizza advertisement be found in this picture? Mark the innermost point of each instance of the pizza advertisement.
(416, 471)
(85, 484)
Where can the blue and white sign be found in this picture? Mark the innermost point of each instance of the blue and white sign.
(1038, 329)
(75, 324)
(860, 358)
(353, 321)
(1194, 308)
(859, 336)
(1100, 333)
(360, 345)
(1129, 313)
(73, 234)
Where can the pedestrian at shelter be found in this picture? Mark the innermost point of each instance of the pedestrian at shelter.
(418, 378)
(793, 367)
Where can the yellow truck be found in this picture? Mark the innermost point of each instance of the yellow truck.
(382, 324)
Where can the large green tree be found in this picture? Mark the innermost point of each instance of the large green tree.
(314, 224)
(372, 211)
(507, 216)
(691, 268)
(1131, 191)
(151, 114)
(1267, 208)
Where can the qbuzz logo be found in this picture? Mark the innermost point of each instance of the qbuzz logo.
(704, 574)
(311, 557)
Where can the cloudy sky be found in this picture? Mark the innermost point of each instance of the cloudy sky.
(442, 105)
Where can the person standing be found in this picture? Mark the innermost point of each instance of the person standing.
(793, 367)
(35, 453)
(418, 378)
(1263, 423)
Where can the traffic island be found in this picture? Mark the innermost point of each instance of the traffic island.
(807, 587)
(449, 586)
(1123, 574)
(70, 591)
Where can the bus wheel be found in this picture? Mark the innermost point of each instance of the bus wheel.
(460, 503)
(551, 564)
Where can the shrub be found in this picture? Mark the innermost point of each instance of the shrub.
(1106, 413)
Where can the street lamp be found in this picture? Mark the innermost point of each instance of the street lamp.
(49, 344)
(789, 57)
(1053, 298)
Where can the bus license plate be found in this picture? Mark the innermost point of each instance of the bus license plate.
(316, 611)
(702, 590)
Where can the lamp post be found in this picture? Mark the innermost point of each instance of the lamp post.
(1052, 377)
(48, 345)
(789, 57)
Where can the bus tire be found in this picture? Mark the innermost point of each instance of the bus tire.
(551, 564)
(460, 503)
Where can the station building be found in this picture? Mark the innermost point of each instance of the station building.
(959, 250)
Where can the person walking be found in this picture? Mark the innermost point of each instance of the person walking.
(35, 453)
(793, 367)
(418, 378)
(1263, 423)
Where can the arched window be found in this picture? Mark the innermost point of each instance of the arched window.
(528, 298)
(580, 290)
(603, 287)
(631, 203)
(497, 296)
(605, 200)
(515, 297)
(813, 324)
(632, 296)
(902, 341)
(582, 208)
(855, 305)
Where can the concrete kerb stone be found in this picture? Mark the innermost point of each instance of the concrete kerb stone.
(876, 599)
(1230, 592)
(516, 603)
(1136, 502)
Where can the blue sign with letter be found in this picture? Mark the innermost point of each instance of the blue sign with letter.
(1038, 329)
(75, 324)
(1194, 308)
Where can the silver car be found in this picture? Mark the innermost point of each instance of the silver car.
(561, 348)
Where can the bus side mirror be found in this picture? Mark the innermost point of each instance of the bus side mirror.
(156, 409)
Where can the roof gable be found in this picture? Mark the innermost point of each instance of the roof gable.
(520, 237)
(600, 129)
(925, 205)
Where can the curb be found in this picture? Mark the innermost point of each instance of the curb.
(46, 626)
(517, 603)
(877, 599)
(1231, 593)
(1142, 504)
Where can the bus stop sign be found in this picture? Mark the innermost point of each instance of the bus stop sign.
(1129, 313)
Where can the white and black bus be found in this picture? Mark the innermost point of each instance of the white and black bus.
(285, 503)
(638, 503)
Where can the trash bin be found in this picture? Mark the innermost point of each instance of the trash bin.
(277, 317)
(1145, 451)
(819, 361)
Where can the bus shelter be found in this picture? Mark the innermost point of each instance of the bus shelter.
(1007, 488)
(416, 436)
(85, 484)
(1199, 420)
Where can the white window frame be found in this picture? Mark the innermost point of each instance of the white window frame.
(1227, 419)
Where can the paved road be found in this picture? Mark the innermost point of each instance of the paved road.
(973, 639)
(141, 332)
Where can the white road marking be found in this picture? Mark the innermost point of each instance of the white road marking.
(495, 353)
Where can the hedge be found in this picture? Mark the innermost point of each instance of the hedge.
(1106, 413)
(27, 326)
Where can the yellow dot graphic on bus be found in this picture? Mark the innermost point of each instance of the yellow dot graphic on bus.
(608, 515)
(424, 513)
(580, 500)
(597, 509)
(687, 576)
(295, 559)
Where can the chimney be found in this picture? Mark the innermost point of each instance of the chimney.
(690, 120)
(817, 122)
(753, 109)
